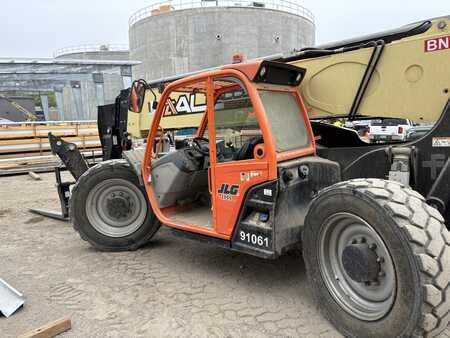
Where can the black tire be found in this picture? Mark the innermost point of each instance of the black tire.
(418, 244)
(84, 210)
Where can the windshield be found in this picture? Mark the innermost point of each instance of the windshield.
(285, 120)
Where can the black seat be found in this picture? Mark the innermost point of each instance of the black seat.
(246, 151)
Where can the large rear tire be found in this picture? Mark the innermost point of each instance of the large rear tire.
(110, 210)
(378, 260)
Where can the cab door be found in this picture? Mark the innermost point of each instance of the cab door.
(238, 159)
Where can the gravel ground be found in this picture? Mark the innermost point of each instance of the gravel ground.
(173, 287)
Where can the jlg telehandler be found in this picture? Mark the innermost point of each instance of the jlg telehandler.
(265, 174)
(254, 180)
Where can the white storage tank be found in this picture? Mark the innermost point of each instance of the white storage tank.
(188, 35)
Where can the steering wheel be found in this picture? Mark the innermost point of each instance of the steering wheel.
(196, 142)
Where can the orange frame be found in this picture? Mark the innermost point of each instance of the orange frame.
(244, 72)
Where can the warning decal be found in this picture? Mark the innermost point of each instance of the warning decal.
(441, 142)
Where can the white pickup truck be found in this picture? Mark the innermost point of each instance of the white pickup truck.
(389, 130)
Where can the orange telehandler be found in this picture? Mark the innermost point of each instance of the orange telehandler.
(253, 180)
(263, 174)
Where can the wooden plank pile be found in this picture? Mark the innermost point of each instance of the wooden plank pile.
(25, 146)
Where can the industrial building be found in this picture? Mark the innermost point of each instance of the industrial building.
(94, 52)
(80, 78)
(187, 35)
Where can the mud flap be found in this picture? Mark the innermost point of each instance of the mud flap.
(10, 299)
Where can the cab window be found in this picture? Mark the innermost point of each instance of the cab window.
(285, 120)
(237, 129)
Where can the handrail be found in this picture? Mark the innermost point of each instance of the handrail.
(291, 7)
(91, 48)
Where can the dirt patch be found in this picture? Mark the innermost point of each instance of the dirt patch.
(4, 212)
(34, 220)
(172, 287)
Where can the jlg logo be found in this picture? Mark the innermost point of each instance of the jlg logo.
(227, 191)
(436, 44)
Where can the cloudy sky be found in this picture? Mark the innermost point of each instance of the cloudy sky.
(31, 28)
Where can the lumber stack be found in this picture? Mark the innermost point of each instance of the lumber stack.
(25, 145)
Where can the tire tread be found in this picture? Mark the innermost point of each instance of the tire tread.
(105, 165)
(424, 228)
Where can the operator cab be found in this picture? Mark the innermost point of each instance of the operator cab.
(180, 178)
(246, 117)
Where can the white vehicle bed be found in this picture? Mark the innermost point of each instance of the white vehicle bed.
(389, 130)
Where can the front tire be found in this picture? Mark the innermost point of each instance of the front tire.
(378, 260)
(110, 210)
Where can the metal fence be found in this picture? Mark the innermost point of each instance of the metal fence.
(91, 48)
(174, 5)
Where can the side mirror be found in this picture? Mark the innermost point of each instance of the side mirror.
(134, 101)
(137, 94)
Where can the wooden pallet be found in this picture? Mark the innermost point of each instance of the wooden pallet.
(33, 136)
(39, 164)
(25, 146)
(40, 145)
(8, 132)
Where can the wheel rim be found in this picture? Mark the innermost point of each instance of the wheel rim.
(116, 207)
(368, 299)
